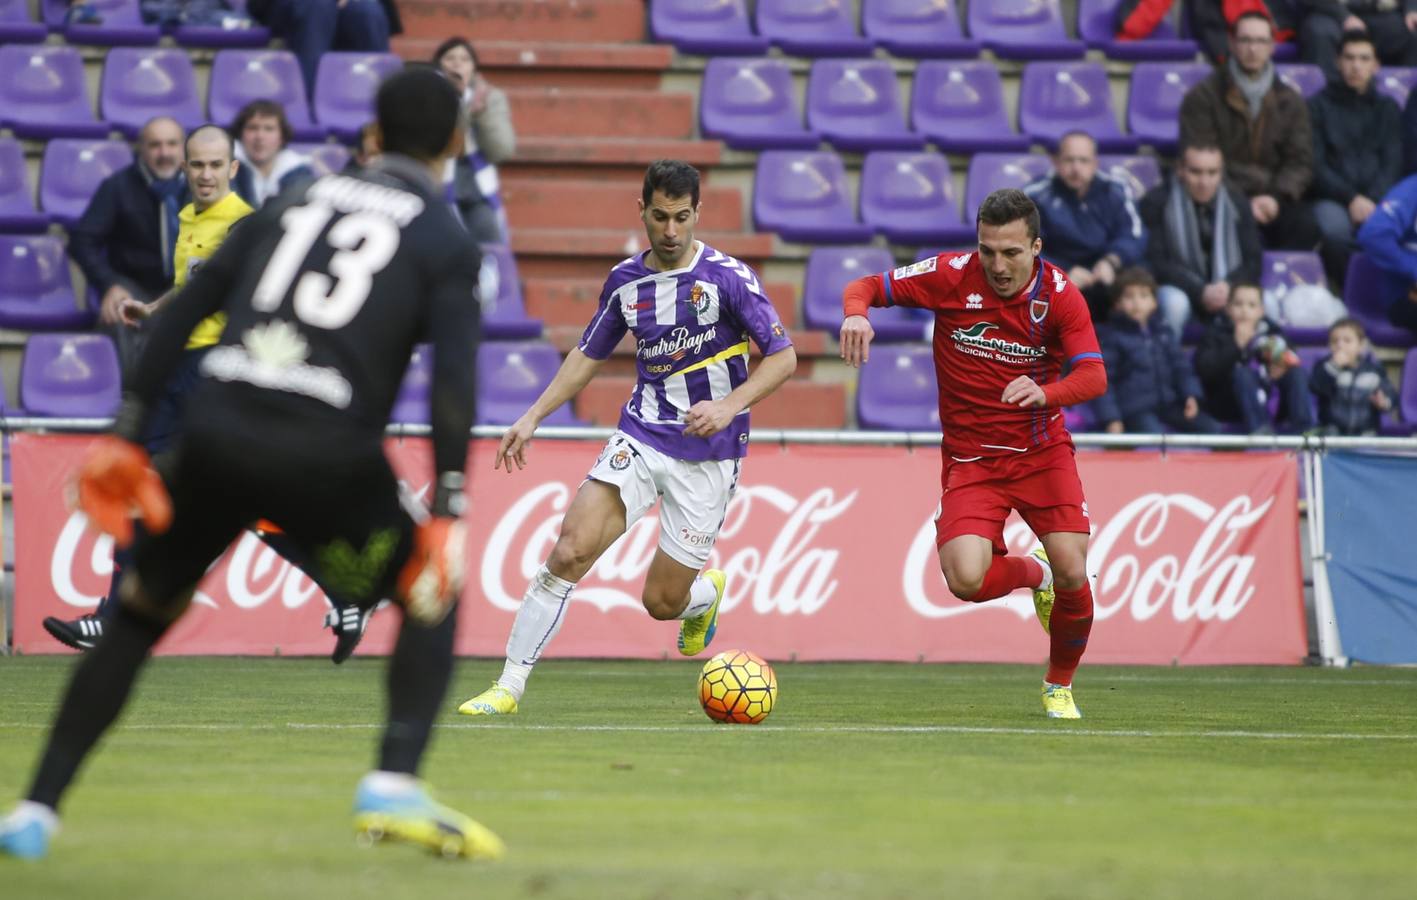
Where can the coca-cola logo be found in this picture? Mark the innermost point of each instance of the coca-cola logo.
(787, 574)
(1209, 579)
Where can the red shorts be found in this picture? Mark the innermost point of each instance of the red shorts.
(1043, 485)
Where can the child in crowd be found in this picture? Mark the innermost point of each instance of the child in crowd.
(1243, 359)
(1150, 382)
(1352, 387)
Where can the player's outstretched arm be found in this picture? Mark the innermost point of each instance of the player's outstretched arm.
(575, 373)
(709, 417)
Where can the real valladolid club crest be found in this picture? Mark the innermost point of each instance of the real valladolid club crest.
(620, 460)
(698, 299)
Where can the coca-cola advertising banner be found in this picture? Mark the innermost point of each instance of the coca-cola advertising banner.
(829, 551)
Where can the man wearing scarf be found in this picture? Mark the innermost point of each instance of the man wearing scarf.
(1262, 127)
(125, 240)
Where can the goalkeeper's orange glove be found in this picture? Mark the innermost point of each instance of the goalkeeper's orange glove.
(117, 480)
(431, 580)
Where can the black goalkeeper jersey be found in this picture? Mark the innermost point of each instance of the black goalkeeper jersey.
(326, 291)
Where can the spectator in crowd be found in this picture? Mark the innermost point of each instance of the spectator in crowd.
(1091, 227)
(268, 165)
(1389, 237)
(490, 140)
(1150, 382)
(1243, 358)
(125, 239)
(82, 12)
(1388, 23)
(1201, 237)
(1357, 149)
(211, 13)
(1262, 126)
(312, 28)
(1353, 388)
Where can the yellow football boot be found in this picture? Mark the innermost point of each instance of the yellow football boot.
(412, 816)
(1058, 702)
(1043, 597)
(495, 701)
(697, 633)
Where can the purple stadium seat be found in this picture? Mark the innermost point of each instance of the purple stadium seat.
(324, 159)
(804, 197)
(17, 26)
(139, 83)
(345, 87)
(1023, 29)
(1365, 293)
(503, 312)
(1397, 83)
(960, 107)
(1154, 104)
(915, 29)
(910, 198)
(122, 24)
(718, 27)
(1140, 173)
(412, 406)
(1097, 26)
(749, 104)
(1060, 97)
(510, 376)
(240, 76)
(17, 212)
(1281, 270)
(72, 170)
(897, 390)
(35, 290)
(988, 172)
(811, 28)
(854, 104)
(1306, 78)
(829, 269)
(1286, 51)
(43, 93)
(70, 376)
(1408, 389)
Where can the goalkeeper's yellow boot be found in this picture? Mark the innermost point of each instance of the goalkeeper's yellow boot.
(697, 633)
(1058, 702)
(495, 701)
(1043, 597)
(407, 813)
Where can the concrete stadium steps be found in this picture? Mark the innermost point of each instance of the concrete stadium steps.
(603, 158)
(575, 21)
(589, 253)
(510, 65)
(572, 301)
(797, 404)
(558, 112)
(541, 203)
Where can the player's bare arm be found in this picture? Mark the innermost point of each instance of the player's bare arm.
(856, 335)
(575, 373)
(709, 417)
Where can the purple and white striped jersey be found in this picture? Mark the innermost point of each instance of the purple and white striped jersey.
(691, 328)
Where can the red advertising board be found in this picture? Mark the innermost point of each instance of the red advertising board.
(829, 551)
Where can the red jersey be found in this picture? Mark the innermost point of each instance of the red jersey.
(983, 342)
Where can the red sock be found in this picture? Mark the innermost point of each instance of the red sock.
(1007, 574)
(1068, 630)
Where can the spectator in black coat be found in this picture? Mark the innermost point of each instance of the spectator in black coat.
(1243, 358)
(125, 239)
(1391, 24)
(1357, 149)
(1150, 383)
(1353, 388)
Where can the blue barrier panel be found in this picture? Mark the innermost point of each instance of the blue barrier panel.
(1370, 507)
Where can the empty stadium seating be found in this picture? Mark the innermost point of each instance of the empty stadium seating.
(70, 376)
(35, 289)
(17, 210)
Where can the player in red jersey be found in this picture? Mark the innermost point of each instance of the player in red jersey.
(1006, 324)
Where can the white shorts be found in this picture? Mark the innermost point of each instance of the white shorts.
(696, 494)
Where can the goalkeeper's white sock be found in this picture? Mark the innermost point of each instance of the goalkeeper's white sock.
(542, 611)
(701, 596)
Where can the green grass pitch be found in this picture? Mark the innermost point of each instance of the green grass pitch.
(232, 778)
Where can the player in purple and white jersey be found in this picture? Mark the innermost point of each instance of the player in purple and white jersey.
(681, 436)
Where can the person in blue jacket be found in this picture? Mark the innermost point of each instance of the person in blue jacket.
(1389, 238)
(1151, 386)
(1091, 227)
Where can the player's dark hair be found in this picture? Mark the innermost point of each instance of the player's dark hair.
(1356, 36)
(209, 128)
(452, 43)
(1008, 205)
(266, 109)
(1132, 276)
(417, 108)
(1350, 323)
(1252, 14)
(672, 178)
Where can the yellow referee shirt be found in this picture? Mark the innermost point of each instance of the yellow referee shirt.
(198, 236)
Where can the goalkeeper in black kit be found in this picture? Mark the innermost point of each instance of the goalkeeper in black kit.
(326, 292)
